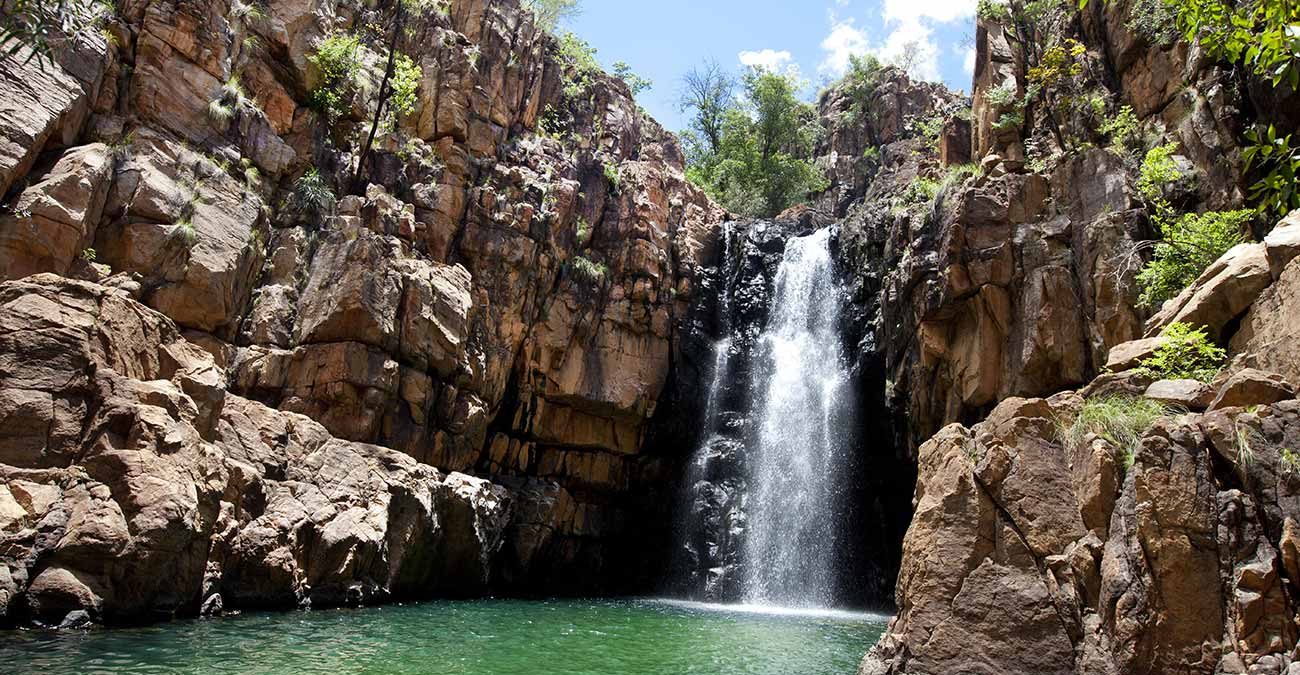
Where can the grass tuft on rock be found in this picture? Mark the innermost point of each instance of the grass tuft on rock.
(1120, 420)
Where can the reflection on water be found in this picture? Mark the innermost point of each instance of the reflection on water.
(490, 637)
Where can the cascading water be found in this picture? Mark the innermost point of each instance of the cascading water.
(794, 501)
(763, 499)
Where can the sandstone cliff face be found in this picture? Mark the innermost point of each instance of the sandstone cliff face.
(446, 312)
(1003, 302)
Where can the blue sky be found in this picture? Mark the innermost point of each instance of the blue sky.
(663, 39)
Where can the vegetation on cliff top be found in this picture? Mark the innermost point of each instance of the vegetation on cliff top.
(753, 155)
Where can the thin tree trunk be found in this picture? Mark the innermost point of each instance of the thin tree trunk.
(399, 19)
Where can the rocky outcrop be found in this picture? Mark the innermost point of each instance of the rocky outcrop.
(1033, 554)
(137, 487)
(499, 294)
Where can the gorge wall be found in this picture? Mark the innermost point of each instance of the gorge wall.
(1000, 300)
(211, 394)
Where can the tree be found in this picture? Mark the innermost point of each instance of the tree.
(761, 163)
(549, 13)
(35, 23)
(634, 82)
(709, 91)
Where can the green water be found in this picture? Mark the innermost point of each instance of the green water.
(490, 637)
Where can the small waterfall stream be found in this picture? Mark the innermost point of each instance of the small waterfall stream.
(764, 502)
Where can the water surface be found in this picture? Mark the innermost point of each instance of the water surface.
(488, 637)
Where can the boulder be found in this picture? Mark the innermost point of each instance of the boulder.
(1128, 355)
(1251, 387)
(58, 215)
(1269, 337)
(1282, 245)
(1221, 294)
(1188, 394)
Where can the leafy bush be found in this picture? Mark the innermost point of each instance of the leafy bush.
(1289, 461)
(1001, 96)
(311, 195)
(1058, 63)
(338, 59)
(584, 232)
(588, 271)
(993, 11)
(634, 82)
(611, 176)
(1187, 247)
(582, 69)
(860, 82)
(1158, 171)
(1154, 20)
(1187, 354)
(1120, 420)
(1278, 162)
(405, 83)
(1124, 130)
(549, 13)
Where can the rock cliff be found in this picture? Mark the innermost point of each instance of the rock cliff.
(230, 369)
(1004, 296)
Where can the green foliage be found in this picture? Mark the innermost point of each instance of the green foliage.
(994, 11)
(1010, 120)
(1154, 20)
(1001, 96)
(584, 232)
(1058, 63)
(1278, 163)
(920, 191)
(405, 83)
(183, 230)
(957, 175)
(1187, 247)
(338, 59)
(40, 24)
(1289, 462)
(762, 165)
(587, 271)
(1158, 171)
(1120, 420)
(89, 255)
(611, 176)
(549, 13)
(860, 82)
(581, 65)
(871, 154)
(634, 82)
(929, 129)
(1259, 34)
(312, 195)
(1123, 129)
(1187, 354)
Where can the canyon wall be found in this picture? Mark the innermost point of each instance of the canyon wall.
(218, 386)
(1006, 297)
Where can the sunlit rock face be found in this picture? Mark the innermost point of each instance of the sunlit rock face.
(438, 321)
(1009, 297)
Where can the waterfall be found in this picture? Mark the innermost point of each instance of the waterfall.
(763, 499)
(794, 501)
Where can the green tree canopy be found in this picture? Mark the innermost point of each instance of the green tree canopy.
(753, 155)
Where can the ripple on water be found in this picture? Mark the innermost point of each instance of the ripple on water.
(490, 637)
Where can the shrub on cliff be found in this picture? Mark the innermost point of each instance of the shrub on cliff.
(1187, 354)
(1187, 247)
(337, 61)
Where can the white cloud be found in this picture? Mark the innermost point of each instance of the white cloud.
(844, 41)
(911, 45)
(943, 11)
(968, 62)
(768, 59)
